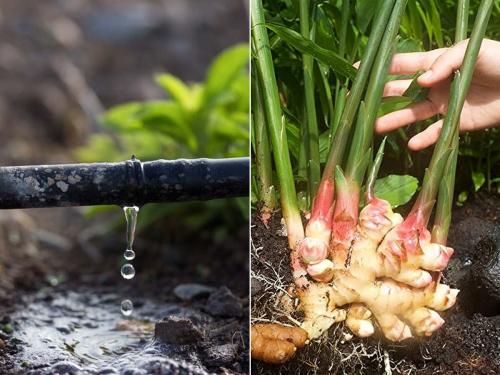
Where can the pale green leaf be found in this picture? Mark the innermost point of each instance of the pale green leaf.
(176, 89)
(226, 68)
(478, 179)
(396, 189)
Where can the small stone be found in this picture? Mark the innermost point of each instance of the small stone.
(65, 367)
(221, 355)
(90, 325)
(177, 330)
(223, 303)
(188, 292)
(135, 372)
(107, 371)
(64, 329)
(2, 344)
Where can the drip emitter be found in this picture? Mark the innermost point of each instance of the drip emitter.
(126, 183)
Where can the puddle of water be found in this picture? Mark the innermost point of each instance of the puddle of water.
(87, 332)
(73, 330)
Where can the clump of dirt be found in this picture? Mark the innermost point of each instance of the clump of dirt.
(467, 343)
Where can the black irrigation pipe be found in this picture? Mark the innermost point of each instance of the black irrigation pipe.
(126, 183)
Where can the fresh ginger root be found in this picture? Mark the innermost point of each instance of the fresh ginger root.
(384, 273)
(383, 277)
(274, 343)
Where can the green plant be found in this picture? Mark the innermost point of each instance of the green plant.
(341, 32)
(340, 37)
(208, 119)
(479, 153)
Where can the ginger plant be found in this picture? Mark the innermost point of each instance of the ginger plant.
(315, 246)
(373, 266)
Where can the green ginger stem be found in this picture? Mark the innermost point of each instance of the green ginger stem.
(313, 163)
(444, 204)
(458, 92)
(363, 133)
(276, 125)
(353, 99)
(267, 194)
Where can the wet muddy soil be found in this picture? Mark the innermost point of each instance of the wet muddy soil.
(56, 330)
(468, 343)
(64, 316)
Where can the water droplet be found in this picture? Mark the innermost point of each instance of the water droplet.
(129, 254)
(131, 218)
(128, 271)
(127, 307)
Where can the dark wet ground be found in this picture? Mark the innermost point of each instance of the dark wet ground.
(82, 330)
(53, 320)
(468, 343)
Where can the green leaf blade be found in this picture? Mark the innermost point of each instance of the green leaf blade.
(338, 64)
(396, 189)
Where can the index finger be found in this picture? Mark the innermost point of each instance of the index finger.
(412, 62)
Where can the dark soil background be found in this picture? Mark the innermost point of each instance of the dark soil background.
(62, 63)
(468, 343)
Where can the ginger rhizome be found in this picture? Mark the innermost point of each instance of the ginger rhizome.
(275, 343)
(365, 279)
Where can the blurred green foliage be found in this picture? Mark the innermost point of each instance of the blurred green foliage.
(208, 119)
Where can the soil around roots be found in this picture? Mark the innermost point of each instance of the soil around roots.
(468, 343)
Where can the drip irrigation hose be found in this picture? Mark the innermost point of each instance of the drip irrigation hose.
(126, 183)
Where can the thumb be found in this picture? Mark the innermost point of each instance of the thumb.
(444, 66)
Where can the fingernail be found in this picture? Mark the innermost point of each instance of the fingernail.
(427, 75)
(412, 143)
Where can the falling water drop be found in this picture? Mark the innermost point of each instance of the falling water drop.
(131, 218)
(127, 307)
(128, 271)
(129, 254)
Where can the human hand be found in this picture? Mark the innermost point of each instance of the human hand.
(481, 108)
